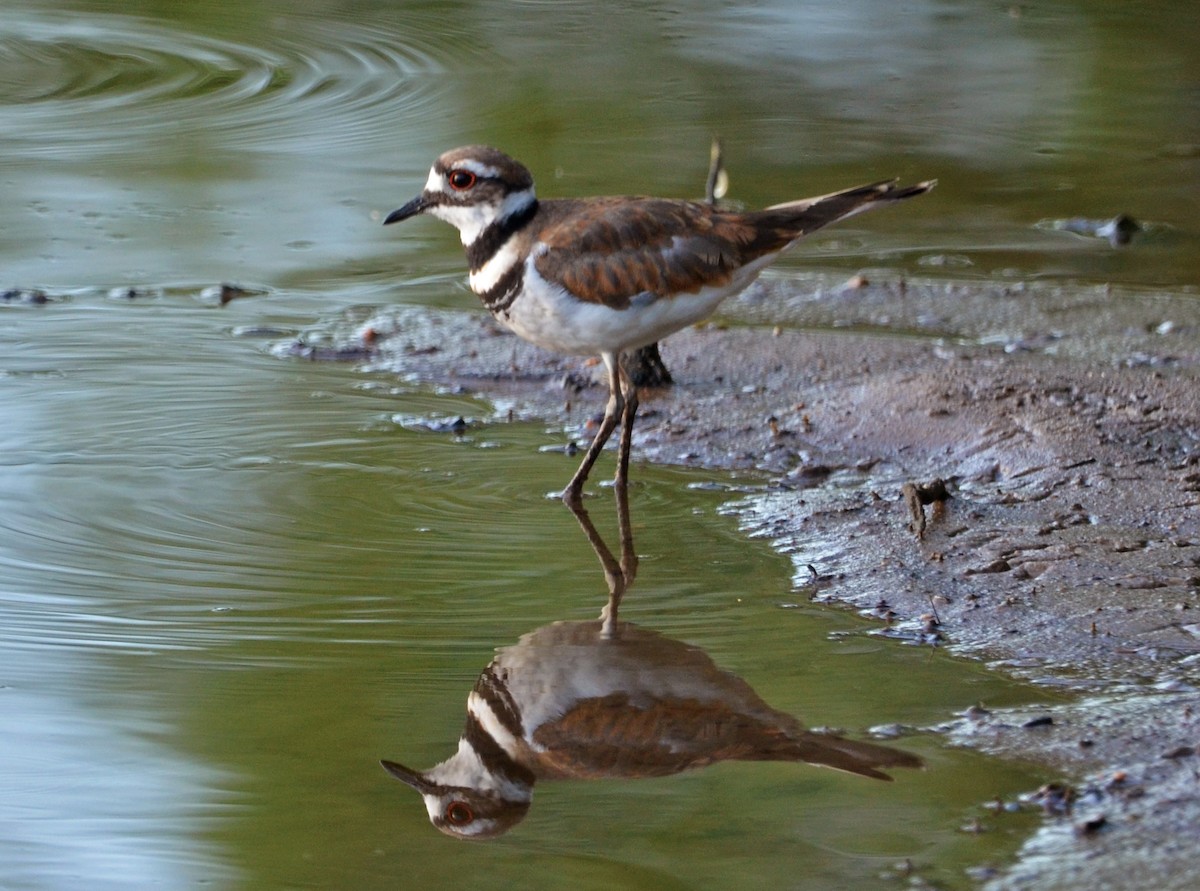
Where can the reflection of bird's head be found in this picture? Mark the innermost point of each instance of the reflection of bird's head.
(480, 791)
(464, 811)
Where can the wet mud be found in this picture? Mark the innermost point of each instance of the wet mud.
(1010, 471)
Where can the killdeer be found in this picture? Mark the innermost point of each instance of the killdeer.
(606, 275)
(569, 702)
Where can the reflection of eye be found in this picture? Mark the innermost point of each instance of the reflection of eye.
(461, 180)
(459, 813)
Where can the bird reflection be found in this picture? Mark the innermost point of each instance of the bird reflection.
(605, 698)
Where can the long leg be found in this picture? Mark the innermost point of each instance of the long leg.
(613, 412)
(628, 413)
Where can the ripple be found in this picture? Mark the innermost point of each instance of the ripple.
(96, 84)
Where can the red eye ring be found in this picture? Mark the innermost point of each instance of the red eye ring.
(460, 180)
(459, 813)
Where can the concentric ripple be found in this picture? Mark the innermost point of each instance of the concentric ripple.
(95, 83)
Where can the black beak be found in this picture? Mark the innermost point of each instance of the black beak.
(399, 771)
(414, 207)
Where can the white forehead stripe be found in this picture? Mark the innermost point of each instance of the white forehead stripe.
(481, 170)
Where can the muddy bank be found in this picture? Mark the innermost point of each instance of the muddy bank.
(1065, 424)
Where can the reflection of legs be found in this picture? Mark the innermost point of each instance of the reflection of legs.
(629, 559)
(628, 412)
(615, 410)
(619, 574)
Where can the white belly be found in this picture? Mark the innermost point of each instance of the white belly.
(549, 316)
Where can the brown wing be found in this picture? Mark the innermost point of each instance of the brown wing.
(611, 736)
(610, 250)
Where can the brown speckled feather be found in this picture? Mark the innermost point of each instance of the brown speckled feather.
(611, 736)
(611, 250)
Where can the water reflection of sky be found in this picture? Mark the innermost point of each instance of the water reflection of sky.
(970, 82)
(89, 802)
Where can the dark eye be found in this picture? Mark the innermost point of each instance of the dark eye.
(459, 813)
(461, 180)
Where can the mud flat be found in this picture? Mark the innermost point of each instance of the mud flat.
(1061, 545)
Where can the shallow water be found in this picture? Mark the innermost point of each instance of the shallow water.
(231, 582)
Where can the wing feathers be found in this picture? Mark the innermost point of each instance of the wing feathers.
(612, 250)
(612, 736)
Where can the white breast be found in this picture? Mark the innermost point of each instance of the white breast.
(548, 315)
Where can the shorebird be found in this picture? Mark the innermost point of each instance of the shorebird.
(602, 276)
(570, 701)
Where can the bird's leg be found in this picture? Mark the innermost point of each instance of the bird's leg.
(628, 413)
(629, 561)
(613, 411)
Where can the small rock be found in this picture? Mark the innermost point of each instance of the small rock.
(993, 567)
(1092, 826)
(1055, 798)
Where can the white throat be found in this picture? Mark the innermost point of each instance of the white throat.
(466, 769)
(472, 219)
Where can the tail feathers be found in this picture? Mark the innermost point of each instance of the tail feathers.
(809, 214)
(851, 756)
(884, 190)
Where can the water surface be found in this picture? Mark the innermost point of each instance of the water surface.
(230, 582)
